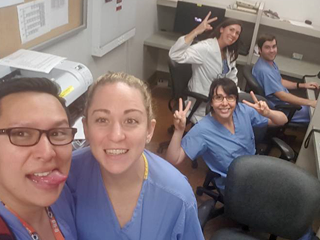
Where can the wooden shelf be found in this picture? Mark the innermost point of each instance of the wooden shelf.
(239, 15)
(286, 25)
(162, 40)
(167, 3)
(242, 16)
(313, 31)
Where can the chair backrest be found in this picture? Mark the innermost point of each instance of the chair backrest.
(180, 76)
(252, 83)
(271, 195)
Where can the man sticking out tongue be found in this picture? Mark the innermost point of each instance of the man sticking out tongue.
(35, 157)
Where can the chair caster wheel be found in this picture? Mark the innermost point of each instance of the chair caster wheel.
(194, 164)
(199, 192)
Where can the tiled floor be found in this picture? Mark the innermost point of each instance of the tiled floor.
(161, 95)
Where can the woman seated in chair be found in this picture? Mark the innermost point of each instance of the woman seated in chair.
(211, 58)
(225, 133)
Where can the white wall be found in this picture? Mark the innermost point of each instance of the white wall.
(129, 57)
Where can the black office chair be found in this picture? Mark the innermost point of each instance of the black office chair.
(180, 76)
(261, 194)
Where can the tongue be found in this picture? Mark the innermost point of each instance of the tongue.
(54, 178)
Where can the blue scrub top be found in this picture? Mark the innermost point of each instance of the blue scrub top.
(217, 145)
(166, 208)
(63, 210)
(269, 79)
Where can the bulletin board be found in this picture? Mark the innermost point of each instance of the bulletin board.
(10, 40)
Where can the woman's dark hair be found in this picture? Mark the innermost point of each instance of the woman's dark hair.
(41, 85)
(228, 86)
(233, 48)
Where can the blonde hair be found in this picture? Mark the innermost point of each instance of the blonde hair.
(130, 80)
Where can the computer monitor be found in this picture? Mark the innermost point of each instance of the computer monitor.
(190, 15)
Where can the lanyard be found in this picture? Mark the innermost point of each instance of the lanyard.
(34, 236)
(146, 167)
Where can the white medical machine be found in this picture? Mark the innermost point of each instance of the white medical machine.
(73, 79)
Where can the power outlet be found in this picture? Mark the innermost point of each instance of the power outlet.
(297, 56)
(162, 83)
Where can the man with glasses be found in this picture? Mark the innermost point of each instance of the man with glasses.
(225, 133)
(35, 158)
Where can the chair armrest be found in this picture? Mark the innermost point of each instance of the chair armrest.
(287, 152)
(197, 96)
(200, 98)
(204, 211)
(292, 108)
(288, 107)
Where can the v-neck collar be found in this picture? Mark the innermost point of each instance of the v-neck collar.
(126, 228)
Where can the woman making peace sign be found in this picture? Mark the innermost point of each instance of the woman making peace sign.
(225, 133)
(212, 58)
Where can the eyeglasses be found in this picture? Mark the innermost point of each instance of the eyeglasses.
(27, 137)
(220, 98)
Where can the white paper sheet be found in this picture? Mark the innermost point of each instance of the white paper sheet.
(34, 19)
(32, 60)
(300, 24)
(59, 12)
(7, 3)
(80, 133)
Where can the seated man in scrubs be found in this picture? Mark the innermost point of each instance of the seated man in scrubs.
(225, 133)
(275, 87)
(35, 158)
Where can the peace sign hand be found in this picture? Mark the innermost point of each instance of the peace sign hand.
(260, 106)
(179, 116)
(205, 24)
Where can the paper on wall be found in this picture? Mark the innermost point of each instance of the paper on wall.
(34, 19)
(7, 3)
(32, 60)
(59, 12)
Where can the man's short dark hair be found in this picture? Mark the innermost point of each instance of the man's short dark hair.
(228, 86)
(264, 38)
(41, 85)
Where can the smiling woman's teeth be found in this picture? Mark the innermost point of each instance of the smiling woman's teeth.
(43, 174)
(115, 151)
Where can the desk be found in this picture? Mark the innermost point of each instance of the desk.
(309, 158)
(316, 146)
(310, 92)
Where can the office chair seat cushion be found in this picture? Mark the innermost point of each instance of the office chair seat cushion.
(232, 234)
(271, 195)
